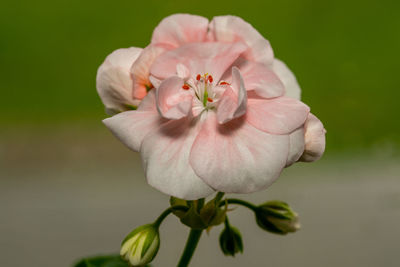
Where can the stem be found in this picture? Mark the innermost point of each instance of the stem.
(239, 202)
(227, 225)
(191, 245)
(166, 213)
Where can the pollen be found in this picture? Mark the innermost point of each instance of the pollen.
(209, 99)
(224, 83)
(185, 87)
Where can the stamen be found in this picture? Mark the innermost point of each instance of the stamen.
(209, 99)
(185, 87)
(210, 79)
(224, 83)
(198, 77)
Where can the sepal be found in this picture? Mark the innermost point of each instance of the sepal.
(174, 201)
(199, 216)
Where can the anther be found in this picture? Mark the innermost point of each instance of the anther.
(210, 79)
(224, 83)
(185, 86)
(209, 99)
(198, 77)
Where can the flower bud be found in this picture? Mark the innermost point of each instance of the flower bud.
(230, 241)
(141, 245)
(277, 217)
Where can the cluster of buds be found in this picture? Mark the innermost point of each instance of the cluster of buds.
(141, 245)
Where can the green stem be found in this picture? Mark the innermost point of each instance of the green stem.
(166, 213)
(191, 245)
(227, 225)
(239, 202)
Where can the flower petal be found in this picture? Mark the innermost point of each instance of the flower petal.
(154, 81)
(149, 102)
(132, 126)
(233, 102)
(199, 58)
(236, 157)
(314, 138)
(281, 115)
(233, 29)
(113, 80)
(165, 155)
(173, 102)
(296, 146)
(179, 29)
(258, 77)
(292, 88)
(182, 71)
(141, 70)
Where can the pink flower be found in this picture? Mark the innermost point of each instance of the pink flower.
(224, 115)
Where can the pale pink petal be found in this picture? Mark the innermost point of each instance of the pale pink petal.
(296, 146)
(141, 70)
(236, 157)
(179, 29)
(132, 126)
(113, 81)
(292, 88)
(173, 102)
(165, 155)
(233, 102)
(227, 106)
(258, 77)
(197, 108)
(199, 58)
(234, 29)
(280, 115)
(154, 81)
(149, 102)
(182, 71)
(314, 139)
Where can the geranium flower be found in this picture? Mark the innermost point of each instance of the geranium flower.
(215, 110)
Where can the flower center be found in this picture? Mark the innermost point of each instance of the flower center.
(206, 90)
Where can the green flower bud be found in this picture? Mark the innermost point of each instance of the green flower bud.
(277, 217)
(230, 241)
(141, 245)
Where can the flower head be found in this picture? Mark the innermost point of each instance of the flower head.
(217, 112)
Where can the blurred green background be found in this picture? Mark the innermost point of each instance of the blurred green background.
(69, 189)
(344, 53)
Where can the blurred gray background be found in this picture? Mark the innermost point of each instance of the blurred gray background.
(92, 192)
